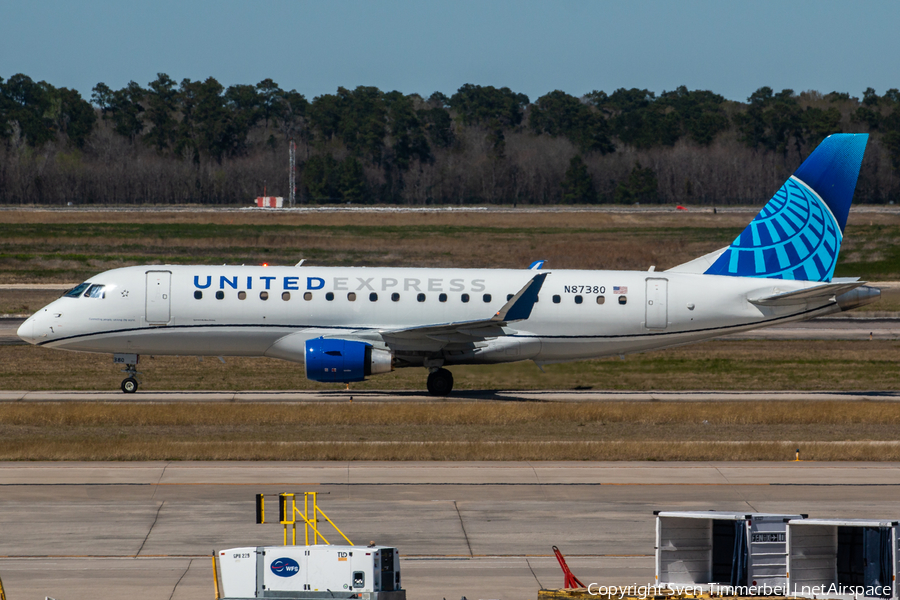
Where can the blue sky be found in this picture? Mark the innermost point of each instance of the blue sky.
(729, 47)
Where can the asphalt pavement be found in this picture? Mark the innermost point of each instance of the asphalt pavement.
(102, 531)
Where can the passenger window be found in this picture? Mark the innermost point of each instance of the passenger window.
(556, 299)
(220, 295)
(509, 297)
(601, 299)
(373, 297)
(76, 291)
(307, 296)
(578, 299)
(395, 297)
(264, 295)
(285, 296)
(242, 295)
(442, 298)
(623, 299)
(351, 296)
(464, 297)
(486, 297)
(329, 296)
(198, 294)
(421, 297)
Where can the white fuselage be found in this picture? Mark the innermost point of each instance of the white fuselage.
(271, 311)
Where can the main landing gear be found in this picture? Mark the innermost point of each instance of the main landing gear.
(130, 383)
(440, 382)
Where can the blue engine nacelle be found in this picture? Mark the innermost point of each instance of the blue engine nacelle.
(344, 361)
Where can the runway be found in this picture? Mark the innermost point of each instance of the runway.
(77, 531)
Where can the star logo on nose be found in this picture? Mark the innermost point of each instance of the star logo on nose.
(124, 293)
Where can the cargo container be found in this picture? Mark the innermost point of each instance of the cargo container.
(716, 548)
(842, 558)
(301, 572)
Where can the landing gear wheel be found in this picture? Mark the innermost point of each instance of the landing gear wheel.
(130, 385)
(440, 382)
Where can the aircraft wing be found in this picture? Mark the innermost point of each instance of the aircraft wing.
(819, 292)
(518, 308)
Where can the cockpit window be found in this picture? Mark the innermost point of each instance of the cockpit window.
(95, 291)
(76, 291)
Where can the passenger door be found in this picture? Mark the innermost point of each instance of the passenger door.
(657, 315)
(158, 303)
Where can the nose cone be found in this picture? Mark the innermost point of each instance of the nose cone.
(26, 331)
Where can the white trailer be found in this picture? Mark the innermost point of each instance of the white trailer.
(307, 572)
(843, 558)
(706, 549)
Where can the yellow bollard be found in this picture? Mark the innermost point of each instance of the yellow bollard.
(797, 456)
(215, 575)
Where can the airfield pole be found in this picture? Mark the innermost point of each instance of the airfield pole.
(293, 184)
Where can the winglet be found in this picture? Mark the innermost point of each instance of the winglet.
(536, 265)
(519, 306)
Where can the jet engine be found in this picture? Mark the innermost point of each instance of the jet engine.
(344, 361)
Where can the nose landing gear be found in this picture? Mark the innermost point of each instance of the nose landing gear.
(130, 383)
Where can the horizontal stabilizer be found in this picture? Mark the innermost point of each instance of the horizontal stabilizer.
(817, 293)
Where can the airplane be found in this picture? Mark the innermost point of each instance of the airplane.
(348, 323)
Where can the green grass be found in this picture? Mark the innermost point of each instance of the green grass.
(715, 365)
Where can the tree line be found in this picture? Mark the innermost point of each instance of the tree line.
(200, 142)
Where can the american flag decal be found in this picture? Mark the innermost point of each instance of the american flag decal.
(620, 289)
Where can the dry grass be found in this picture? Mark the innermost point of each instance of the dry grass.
(67, 246)
(25, 301)
(533, 217)
(511, 219)
(451, 431)
(516, 415)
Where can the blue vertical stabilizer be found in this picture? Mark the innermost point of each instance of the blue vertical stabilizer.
(797, 234)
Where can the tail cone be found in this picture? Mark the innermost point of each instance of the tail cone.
(858, 297)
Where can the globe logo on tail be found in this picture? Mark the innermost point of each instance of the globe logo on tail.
(795, 236)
